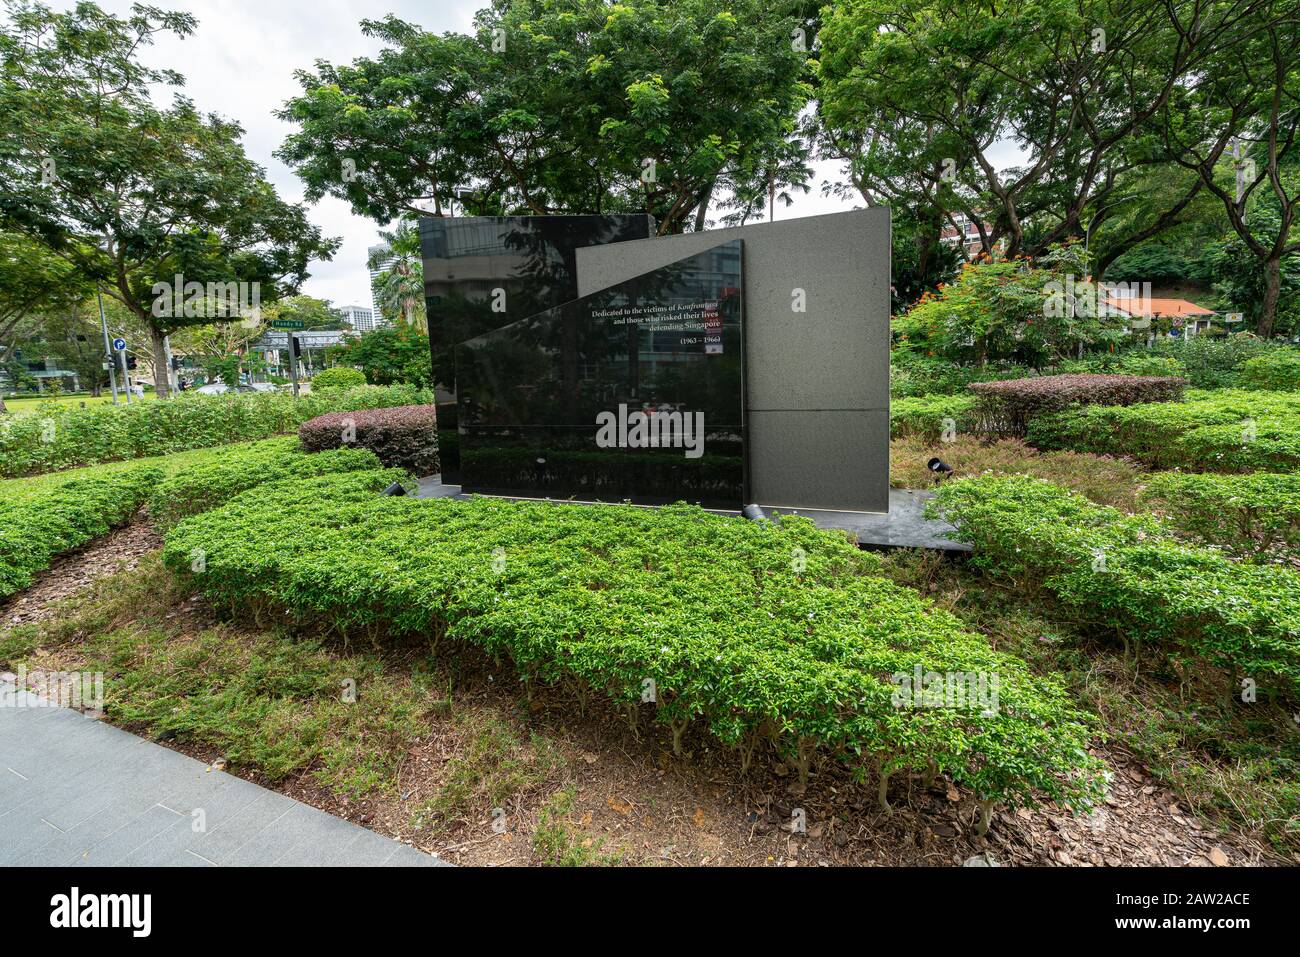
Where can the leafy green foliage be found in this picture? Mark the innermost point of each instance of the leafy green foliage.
(204, 486)
(1208, 362)
(912, 374)
(69, 437)
(61, 516)
(387, 355)
(1252, 516)
(929, 416)
(1009, 406)
(339, 377)
(132, 208)
(1015, 311)
(1130, 573)
(1226, 431)
(1276, 371)
(552, 106)
(751, 631)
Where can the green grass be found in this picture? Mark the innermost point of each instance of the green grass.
(25, 405)
(269, 704)
(494, 764)
(1235, 764)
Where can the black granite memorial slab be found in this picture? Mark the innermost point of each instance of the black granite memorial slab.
(635, 392)
(485, 272)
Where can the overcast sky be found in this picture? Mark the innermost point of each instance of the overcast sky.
(240, 62)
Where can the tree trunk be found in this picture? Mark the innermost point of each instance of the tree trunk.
(2, 404)
(1272, 291)
(702, 211)
(161, 385)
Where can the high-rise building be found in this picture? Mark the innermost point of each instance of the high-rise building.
(359, 318)
(385, 260)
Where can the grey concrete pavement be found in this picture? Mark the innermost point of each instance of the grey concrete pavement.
(78, 792)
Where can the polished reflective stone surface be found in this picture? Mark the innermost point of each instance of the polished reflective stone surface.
(635, 392)
(483, 272)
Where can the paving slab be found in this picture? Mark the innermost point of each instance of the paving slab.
(75, 791)
(903, 526)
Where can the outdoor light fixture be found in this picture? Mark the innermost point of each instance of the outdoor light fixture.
(753, 513)
(939, 467)
(395, 489)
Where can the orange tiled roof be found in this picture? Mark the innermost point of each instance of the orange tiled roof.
(1167, 308)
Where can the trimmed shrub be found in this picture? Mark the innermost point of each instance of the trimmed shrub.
(1276, 371)
(404, 437)
(1129, 573)
(912, 375)
(1210, 362)
(207, 485)
(71, 436)
(929, 416)
(1252, 516)
(777, 632)
(1129, 362)
(1008, 406)
(340, 377)
(1225, 431)
(59, 517)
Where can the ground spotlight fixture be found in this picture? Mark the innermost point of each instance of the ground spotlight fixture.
(395, 489)
(939, 467)
(753, 513)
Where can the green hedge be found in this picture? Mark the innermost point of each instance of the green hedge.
(1276, 371)
(70, 437)
(924, 416)
(339, 377)
(209, 484)
(1253, 516)
(60, 516)
(753, 632)
(1227, 431)
(1128, 572)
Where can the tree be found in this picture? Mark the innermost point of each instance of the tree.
(926, 89)
(1248, 109)
(315, 314)
(556, 106)
(399, 289)
(387, 354)
(136, 198)
(1027, 312)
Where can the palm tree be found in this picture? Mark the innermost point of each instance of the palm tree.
(399, 289)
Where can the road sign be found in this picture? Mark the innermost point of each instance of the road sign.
(287, 323)
(119, 345)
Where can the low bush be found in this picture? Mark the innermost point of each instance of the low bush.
(1128, 362)
(340, 377)
(404, 437)
(1224, 431)
(70, 437)
(1007, 407)
(776, 632)
(209, 484)
(61, 516)
(915, 375)
(1209, 362)
(1129, 573)
(1276, 371)
(932, 417)
(1252, 516)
